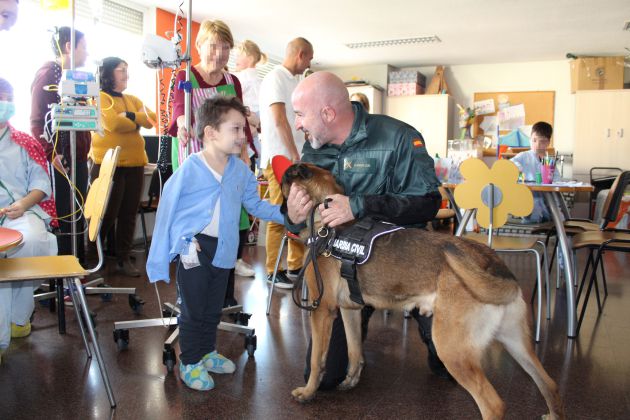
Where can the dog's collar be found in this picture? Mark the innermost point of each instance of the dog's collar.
(322, 241)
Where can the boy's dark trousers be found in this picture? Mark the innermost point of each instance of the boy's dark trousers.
(202, 290)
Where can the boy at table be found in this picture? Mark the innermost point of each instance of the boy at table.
(529, 164)
(25, 206)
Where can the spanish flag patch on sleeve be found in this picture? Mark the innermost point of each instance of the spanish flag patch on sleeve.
(417, 142)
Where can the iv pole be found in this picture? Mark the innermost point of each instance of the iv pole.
(73, 150)
(188, 58)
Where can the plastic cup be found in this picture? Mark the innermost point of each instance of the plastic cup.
(546, 171)
(502, 149)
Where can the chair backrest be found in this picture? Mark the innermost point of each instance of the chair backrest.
(98, 195)
(493, 192)
(598, 173)
(612, 204)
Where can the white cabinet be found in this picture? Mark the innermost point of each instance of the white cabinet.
(602, 131)
(374, 95)
(431, 115)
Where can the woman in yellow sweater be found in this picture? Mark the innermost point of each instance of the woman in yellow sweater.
(122, 116)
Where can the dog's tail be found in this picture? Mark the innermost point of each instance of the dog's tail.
(495, 285)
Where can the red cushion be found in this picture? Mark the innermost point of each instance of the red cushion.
(279, 164)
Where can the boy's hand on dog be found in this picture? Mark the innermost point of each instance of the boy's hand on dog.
(299, 204)
(336, 211)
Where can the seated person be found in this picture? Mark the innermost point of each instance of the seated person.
(529, 165)
(24, 184)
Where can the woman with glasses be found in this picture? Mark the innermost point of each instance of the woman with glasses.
(122, 115)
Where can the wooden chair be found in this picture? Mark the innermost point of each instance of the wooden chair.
(575, 226)
(495, 193)
(601, 240)
(67, 267)
(601, 178)
(445, 214)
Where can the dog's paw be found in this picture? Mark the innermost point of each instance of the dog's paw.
(301, 395)
(348, 383)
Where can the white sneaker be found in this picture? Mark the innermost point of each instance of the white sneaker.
(243, 269)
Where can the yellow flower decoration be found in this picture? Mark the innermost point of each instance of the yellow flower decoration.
(510, 196)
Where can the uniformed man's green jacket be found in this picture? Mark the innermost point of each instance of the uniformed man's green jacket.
(384, 167)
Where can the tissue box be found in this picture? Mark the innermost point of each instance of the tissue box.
(404, 89)
(592, 73)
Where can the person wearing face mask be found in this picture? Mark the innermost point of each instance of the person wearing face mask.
(8, 14)
(57, 143)
(122, 115)
(25, 206)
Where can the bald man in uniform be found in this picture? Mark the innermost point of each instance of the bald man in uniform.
(385, 171)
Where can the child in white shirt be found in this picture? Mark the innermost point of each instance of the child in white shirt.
(529, 164)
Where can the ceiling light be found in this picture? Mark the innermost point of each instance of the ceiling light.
(394, 42)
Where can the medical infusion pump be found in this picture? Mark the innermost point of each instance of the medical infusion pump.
(79, 109)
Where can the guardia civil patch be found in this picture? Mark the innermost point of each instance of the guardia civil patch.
(417, 142)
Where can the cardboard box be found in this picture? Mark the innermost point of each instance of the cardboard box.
(593, 73)
(407, 76)
(404, 89)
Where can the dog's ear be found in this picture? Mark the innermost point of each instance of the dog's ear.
(283, 206)
(304, 171)
(296, 171)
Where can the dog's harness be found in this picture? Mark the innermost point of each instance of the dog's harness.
(352, 246)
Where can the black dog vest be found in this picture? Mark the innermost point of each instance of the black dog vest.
(353, 246)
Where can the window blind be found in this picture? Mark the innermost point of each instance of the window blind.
(262, 69)
(112, 14)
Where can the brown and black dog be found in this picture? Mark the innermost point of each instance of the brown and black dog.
(473, 297)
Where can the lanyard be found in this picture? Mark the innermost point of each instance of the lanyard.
(6, 130)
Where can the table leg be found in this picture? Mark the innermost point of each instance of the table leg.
(61, 309)
(562, 205)
(451, 199)
(568, 258)
(462, 224)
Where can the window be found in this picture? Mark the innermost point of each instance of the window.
(118, 31)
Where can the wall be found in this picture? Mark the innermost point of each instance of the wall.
(464, 80)
(375, 74)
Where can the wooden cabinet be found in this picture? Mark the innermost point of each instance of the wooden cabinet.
(374, 95)
(602, 130)
(431, 115)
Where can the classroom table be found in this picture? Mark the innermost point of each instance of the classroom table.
(552, 194)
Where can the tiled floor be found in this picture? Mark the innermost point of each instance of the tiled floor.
(48, 376)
